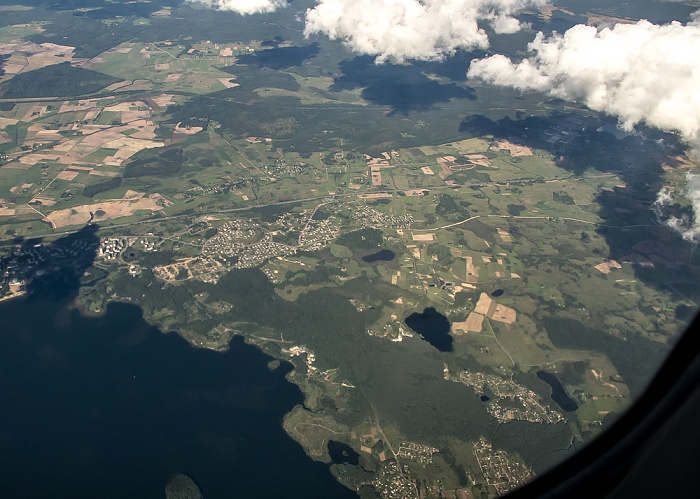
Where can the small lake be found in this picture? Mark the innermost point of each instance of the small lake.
(559, 394)
(433, 327)
(498, 292)
(341, 453)
(384, 255)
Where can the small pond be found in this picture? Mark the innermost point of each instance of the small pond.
(341, 453)
(384, 255)
(433, 327)
(559, 394)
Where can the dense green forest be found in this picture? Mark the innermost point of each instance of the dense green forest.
(166, 163)
(59, 80)
(363, 239)
(92, 190)
(636, 358)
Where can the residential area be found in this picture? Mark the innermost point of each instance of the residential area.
(501, 471)
(507, 400)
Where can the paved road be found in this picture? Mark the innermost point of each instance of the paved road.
(201, 213)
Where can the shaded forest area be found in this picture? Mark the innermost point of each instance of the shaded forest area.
(59, 80)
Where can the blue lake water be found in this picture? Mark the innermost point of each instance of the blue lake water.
(559, 394)
(433, 327)
(384, 255)
(341, 453)
(110, 407)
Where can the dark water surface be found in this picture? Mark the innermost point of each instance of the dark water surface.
(110, 407)
(384, 255)
(341, 453)
(559, 395)
(433, 327)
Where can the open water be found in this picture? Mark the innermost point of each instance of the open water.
(110, 407)
(559, 394)
(384, 255)
(341, 453)
(433, 327)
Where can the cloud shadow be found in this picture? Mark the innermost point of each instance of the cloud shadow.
(404, 88)
(629, 225)
(280, 58)
(54, 268)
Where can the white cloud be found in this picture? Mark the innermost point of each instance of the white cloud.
(687, 226)
(396, 30)
(243, 7)
(639, 73)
